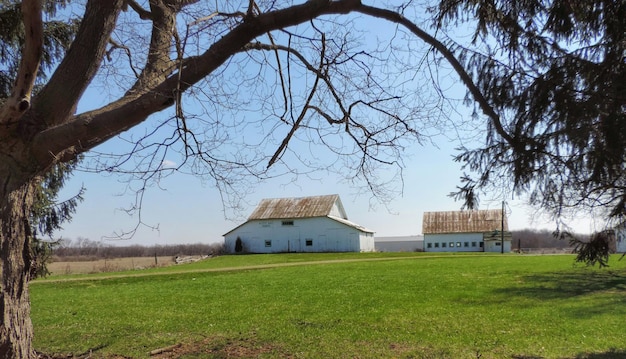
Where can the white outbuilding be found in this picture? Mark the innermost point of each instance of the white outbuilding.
(413, 243)
(303, 224)
(619, 238)
(466, 231)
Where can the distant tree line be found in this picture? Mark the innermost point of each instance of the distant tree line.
(532, 238)
(86, 249)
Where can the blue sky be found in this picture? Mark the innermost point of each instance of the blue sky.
(188, 209)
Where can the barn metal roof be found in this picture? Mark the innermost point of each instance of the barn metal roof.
(299, 207)
(351, 224)
(463, 221)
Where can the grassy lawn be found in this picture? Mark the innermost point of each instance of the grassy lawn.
(414, 306)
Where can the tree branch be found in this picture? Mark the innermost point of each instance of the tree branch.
(450, 57)
(159, 64)
(143, 13)
(90, 129)
(283, 145)
(19, 101)
(316, 71)
(79, 66)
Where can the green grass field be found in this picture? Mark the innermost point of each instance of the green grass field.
(336, 306)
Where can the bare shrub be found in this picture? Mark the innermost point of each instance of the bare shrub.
(87, 250)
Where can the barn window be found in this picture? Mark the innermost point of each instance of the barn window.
(498, 244)
(309, 242)
(473, 244)
(429, 245)
(443, 245)
(451, 244)
(268, 243)
(466, 244)
(458, 244)
(287, 223)
(436, 245)
(480, 244)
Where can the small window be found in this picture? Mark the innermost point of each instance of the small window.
(480, 244)
(429, 245)
(436, 245)
(458, 244)
(309, 242)
(268, 243)
(473, 244)
(451, 244)
(466, 244)
(287, 223)
(443, 245)
(498, 244)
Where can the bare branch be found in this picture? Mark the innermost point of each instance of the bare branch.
(95, 127)
(251, 6)
(114, 46)
(135, 209)
(295, 126)
(309, 67)
(143, 13)
(449, 56)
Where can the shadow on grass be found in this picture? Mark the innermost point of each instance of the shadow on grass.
(601, 292)
(611, 354)
(561, 285)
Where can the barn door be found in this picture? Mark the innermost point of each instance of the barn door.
(321, 244)
(354, 243)
(293, 238)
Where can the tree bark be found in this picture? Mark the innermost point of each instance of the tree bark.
(16, 330)
(19, 101)
(57, 101)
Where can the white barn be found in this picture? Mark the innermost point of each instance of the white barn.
(305, 224)
(466, 231)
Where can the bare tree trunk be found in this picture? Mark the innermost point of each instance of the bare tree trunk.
(16, 329)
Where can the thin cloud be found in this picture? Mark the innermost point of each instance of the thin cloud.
(167, 164)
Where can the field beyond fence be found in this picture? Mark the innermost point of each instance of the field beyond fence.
(107, 265)
(87, 257)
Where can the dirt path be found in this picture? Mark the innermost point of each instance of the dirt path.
(233, 269)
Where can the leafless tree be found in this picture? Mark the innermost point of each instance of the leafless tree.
(272, 89)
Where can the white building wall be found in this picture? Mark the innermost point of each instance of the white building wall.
(453, 242)
(620, 239)
(319, 234)
(495, 246)
(367, 242)
(399, 243)
(336, 211)
(399, 246)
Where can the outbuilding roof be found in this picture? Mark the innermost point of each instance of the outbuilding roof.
(299, 207)
(463, 221)
(351, 224)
